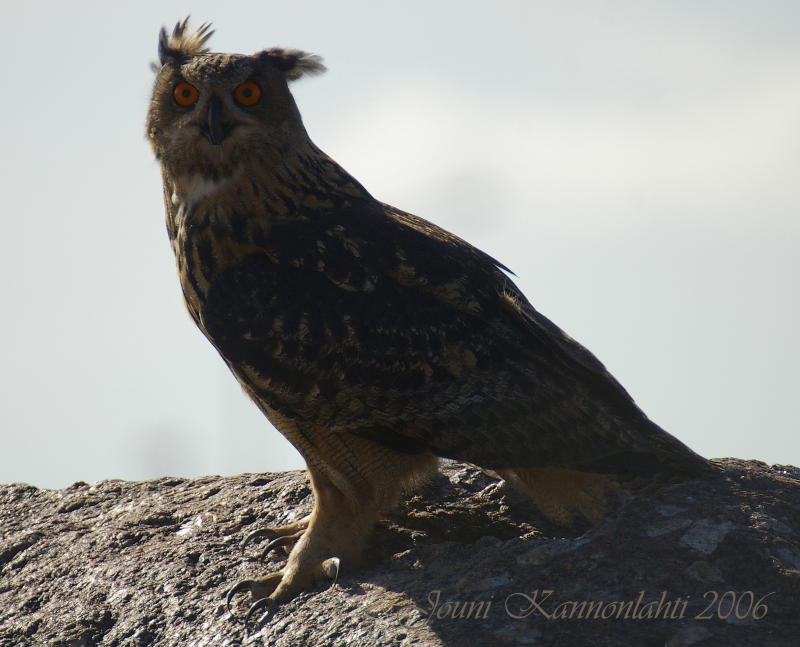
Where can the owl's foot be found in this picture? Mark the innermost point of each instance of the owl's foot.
(267, 591)
(369, 481)
(334, 534)
(566, 497)
(315, 557)
(283, 536)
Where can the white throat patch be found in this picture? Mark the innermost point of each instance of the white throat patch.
(190, 189)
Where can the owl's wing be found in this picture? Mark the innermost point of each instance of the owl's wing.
(375, 322)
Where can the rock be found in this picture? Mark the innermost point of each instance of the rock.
(465, 561)
(706, 535)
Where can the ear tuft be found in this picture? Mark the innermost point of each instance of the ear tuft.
(294, 63)
(182, 43)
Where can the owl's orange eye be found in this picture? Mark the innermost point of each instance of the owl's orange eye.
(185, 94)
(247, 93)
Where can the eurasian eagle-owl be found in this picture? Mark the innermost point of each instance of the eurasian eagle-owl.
(372, 339)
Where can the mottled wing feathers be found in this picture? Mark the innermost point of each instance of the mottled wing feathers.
(374, 322)
(623, 438)
(474, 263)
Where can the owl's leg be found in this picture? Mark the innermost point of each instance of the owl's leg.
(355, 482)
(565, 496)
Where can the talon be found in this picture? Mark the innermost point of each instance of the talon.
(292, 530)
(269, 603)
(278, 541)
(256, 534)
(285, 540)
(259, 590)
(331, 568)
(238, 588)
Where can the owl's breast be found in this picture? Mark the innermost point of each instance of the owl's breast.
(195, 267)
(206, 240)
(276, 325)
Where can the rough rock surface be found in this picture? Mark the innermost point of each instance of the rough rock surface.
(466, 561)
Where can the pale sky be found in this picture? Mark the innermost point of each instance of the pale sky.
(637, 164)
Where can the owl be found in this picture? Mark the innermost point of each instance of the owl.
(373, 340)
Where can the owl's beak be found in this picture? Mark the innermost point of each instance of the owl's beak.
(215, 133)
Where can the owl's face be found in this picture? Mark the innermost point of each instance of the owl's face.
(208, 110)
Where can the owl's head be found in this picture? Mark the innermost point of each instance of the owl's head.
(210, 108)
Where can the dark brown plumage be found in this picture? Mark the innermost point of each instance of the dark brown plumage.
(374, 340)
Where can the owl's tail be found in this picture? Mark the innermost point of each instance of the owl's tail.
(651, 453)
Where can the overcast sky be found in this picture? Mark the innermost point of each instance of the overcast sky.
(637, 164)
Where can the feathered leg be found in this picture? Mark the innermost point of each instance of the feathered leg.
(355, 483)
